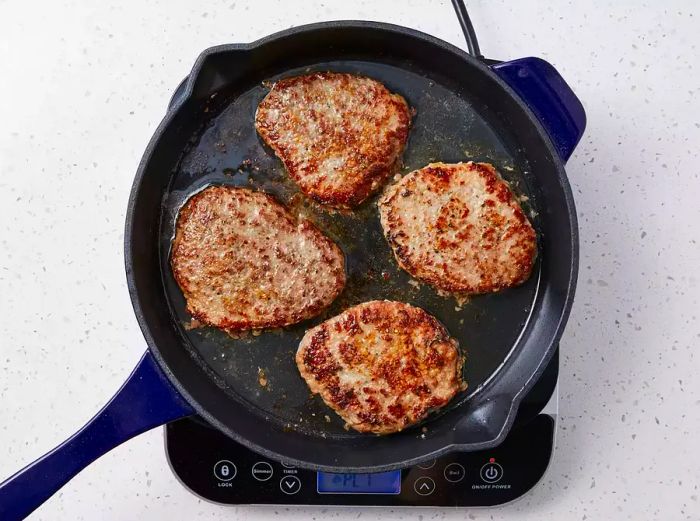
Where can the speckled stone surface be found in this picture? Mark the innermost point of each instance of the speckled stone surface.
(82, 88)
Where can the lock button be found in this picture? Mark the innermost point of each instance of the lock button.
(225, 470)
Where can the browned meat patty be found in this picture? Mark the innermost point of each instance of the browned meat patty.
(381, 365)
(244, 262)
(340, 136)
(459, 228)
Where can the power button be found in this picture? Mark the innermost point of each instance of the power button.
(491, 472)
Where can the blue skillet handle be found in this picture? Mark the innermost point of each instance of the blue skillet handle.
(147, 399)
(546, 93)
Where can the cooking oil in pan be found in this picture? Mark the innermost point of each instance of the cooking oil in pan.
(448, 126)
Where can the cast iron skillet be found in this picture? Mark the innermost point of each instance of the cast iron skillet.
(519, 115)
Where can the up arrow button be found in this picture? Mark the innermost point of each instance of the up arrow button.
(424, 486)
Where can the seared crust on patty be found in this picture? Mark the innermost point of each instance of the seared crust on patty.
(340, 136)
(244, 262)
(459, 228)
(381, 365)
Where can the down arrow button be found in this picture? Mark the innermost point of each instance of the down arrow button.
(290, 485)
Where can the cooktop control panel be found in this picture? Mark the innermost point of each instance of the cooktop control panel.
(224, 471)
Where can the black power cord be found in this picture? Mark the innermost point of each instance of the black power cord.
(467, 28)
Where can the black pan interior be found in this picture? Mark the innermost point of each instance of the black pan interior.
(463, 112)
(449, 125)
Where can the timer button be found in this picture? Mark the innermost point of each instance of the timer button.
(427, 465)
(424, 486)
(492, 472)
(225, 470)
(454, 472)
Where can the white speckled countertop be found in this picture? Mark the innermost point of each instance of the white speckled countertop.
(84, 85)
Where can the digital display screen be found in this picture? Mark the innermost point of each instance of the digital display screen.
(375, 483)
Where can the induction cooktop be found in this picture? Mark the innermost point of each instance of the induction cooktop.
(218, 469)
